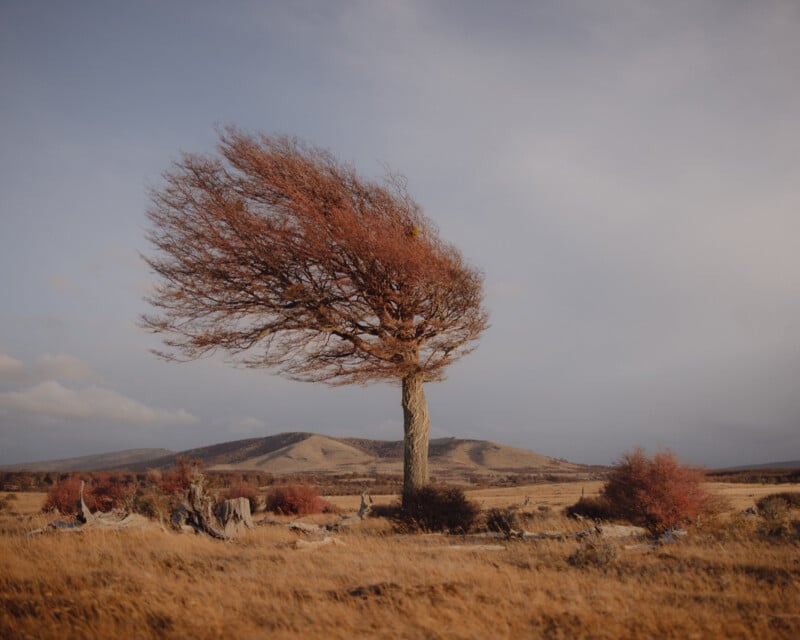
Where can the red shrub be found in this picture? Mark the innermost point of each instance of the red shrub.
(296, 499)
(178, 478)
(243, 489)
(64, 496)
(112, 492)
(103, 492)
(658, 493)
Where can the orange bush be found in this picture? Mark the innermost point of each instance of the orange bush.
(659, 493)
(295, 499)
(243, 489)
(109, 491)
(64, 496)
(178, 478)
(103, 492)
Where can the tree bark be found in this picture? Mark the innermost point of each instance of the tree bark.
(417, 426)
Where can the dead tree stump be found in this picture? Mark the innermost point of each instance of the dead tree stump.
(199, 514)
(234, 516)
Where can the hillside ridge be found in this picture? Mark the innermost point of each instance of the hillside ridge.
(303, 452)
(93, 462)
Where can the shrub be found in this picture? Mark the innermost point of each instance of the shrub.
(595, 508)
(243, 489)
(6, 503)
(389, 511)
(775, 511)
(594, 551)
(439, 508)
(502, 521)
(296, 499)
(102, 492)
(179, 478)
(658, 493)
(791, 500)
(111, 492)
(65, 494)
(152, 503)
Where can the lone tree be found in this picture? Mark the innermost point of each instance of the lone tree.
(281, 256)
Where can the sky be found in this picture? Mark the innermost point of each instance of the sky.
(625, 174)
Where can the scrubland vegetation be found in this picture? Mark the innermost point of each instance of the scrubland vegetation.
(658, 493)
(735, 574)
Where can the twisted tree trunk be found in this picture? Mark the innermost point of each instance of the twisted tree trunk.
(417, 426)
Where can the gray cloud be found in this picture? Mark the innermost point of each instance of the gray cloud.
(40, 396)
(11, 369)
(61, 367)
(52, 401)
(47, 366)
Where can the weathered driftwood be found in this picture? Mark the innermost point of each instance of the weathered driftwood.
(345, 522)
(365, 507)
(116, 520)
(84, 513)
(199, 510)
(475, 547)
(621, 531)
(304, 527)
(315, 544)
(198, 513)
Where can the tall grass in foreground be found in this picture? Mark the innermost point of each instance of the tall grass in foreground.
(726, 580)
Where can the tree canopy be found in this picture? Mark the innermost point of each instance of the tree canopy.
(281, 256)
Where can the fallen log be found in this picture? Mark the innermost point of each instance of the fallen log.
(315, 544)
(475, 547)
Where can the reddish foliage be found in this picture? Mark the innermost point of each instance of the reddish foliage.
(102, 492)
(64, 496)
(178, 478)
(295, 499)
(659, 493)
(275, 247)
(243, 489)
(111, 492)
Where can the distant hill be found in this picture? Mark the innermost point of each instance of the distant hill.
(788, 464)
(289, 453)
(292, 453)
(102, 461)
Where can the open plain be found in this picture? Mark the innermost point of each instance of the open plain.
(724, 579)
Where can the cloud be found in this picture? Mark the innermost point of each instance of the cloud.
(61, 367)
(47, 366)
(63, 284)
(11, 369)
(246, 426)
(94, 404)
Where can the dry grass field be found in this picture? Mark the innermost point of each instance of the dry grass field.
(724, 580)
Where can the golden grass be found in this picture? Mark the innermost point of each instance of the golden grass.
(724, 581)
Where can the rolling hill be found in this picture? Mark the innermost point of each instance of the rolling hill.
(117, 460)
(294, 453)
